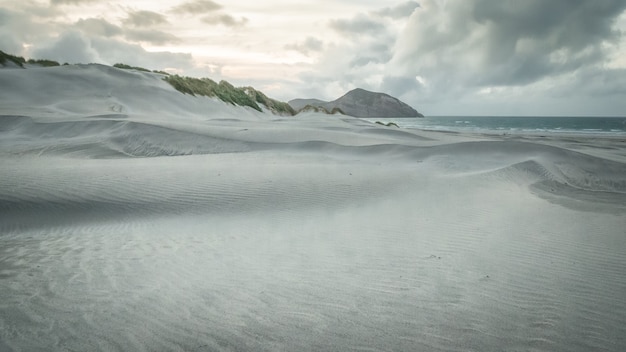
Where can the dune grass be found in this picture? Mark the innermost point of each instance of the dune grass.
(18, 60)
(277, 107)
(44, 62)
(128, 67)
(246, 96)
(321, 110)
(209, 88)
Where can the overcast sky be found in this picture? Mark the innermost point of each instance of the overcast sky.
(443, 57)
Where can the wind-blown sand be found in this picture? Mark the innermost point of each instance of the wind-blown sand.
(133, 218)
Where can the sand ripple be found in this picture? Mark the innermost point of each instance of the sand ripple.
(117, 235)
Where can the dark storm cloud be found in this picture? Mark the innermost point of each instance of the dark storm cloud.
(197, 7)
(560, 35)
(358, 25)
(9, 45)
(9, 37)
(22, 23)
(400, 11)
(144, 19)
(508, 42)
(225, 20)
(399, 86)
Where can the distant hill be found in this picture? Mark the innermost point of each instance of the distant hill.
(362, 103)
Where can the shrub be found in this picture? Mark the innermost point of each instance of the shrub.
(44, 63)
(388, 124)
(128, 67)
(337, 110)
(313, 108)
(18, 60)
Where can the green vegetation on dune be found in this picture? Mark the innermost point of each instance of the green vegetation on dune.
(321, 110)
(44, 63)
(137, 68)
(128, 67)
(337, 110)
(18, 60)
(275, 106)
(244, 96)
(208, 88)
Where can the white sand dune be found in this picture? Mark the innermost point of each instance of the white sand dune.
(133, 217)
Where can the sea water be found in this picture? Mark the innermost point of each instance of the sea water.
(514, 124)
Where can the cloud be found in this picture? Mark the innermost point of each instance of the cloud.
(71, 2)
(151, 36)
(374, 52)
(225, 20)
(144, 18)
(112, 51)
(399, 86)
(98, 26)
(358, 25)
(197, 7)
(9, 45)
(507, 43)
(310, 44)
(10, 41)
(26, 21)
(357, 57)
(481, 57)
(400, 11)
(72, 47)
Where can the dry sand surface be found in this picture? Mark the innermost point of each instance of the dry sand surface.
(133, 218)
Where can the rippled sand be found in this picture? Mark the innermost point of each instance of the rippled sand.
(132, 231)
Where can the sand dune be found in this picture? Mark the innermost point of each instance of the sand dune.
(185, 224)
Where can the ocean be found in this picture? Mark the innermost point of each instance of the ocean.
(514, 124)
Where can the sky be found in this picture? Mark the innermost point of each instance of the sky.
(443, 57)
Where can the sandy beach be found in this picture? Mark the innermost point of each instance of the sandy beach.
(135, 218)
